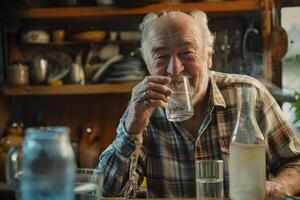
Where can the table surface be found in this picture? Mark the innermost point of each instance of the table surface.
(273, 198)
(6, 192)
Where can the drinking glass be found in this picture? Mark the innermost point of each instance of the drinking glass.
(88, 184)
(180, 106)
(209, 179)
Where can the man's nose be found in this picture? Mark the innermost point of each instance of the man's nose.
(175, 66)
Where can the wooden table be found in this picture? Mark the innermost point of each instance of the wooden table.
(273, 198)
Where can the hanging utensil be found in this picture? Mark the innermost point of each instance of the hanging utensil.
(250, 30)
(251, 58)
(279, 37)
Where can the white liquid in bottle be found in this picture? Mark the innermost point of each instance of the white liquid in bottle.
(247, 171)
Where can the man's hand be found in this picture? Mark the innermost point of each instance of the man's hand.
(286, 182)
(149, 94)
(275, 189)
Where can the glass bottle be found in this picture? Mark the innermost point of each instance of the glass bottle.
(247, 157)
(48, 165)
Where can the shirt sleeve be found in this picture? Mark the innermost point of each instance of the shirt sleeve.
(283, 146)
(114, 162)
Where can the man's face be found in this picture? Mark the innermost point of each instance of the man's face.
(175, 47)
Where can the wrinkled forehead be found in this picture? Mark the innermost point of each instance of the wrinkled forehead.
(174, 18)
(173, 25)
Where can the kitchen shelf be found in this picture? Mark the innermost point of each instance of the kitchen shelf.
(96, 12)
(55, 14)
(57, 43)
(69, 89)
(79, 43)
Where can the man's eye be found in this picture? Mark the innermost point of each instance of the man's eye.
(187, 53)
(161, 57)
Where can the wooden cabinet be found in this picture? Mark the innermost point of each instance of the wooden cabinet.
(101, 105)
(97, 15)
(119, 16)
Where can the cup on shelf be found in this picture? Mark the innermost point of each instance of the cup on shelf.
(58, 35)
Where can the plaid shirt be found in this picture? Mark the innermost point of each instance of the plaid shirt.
(169, 149)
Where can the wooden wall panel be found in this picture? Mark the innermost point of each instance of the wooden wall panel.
(101, 112)
(4, 114)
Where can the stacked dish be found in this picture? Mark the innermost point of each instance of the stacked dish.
(130, 69)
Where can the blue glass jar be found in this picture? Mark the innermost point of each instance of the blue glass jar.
(48, 165)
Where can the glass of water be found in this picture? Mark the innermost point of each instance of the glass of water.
(180, 106)
(209, 179)
(88, 184)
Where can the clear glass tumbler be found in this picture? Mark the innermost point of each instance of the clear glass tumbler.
(209, 179)
(88, 184)
(180, 106)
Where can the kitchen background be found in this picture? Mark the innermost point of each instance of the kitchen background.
(291, 61)
(74, 63)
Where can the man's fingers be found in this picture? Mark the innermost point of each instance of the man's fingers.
(150, 94)
(154, 103)
(157, 79)
(274, 189)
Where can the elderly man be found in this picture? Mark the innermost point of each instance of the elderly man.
(175, 43)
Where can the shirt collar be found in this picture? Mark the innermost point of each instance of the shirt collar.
(215, 96)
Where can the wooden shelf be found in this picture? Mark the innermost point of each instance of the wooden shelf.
(89, 13)
(79, 43)
(69, 89)
(57, 43)
(95, 12)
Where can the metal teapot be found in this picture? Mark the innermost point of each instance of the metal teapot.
(39, 70)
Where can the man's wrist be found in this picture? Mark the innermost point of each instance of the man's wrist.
(137, 138)
(128, 130)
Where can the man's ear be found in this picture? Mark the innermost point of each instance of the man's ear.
(209, 61)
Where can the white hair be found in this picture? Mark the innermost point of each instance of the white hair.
(199, 16)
